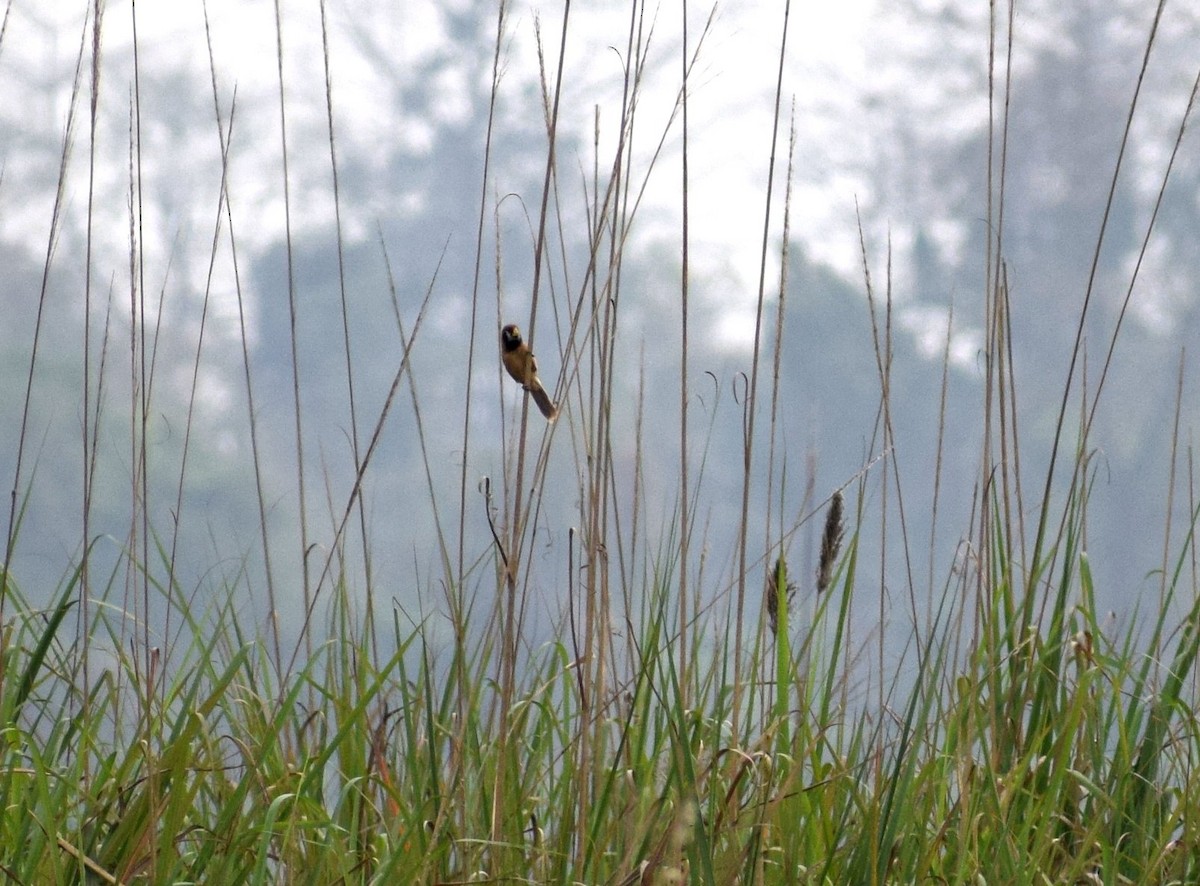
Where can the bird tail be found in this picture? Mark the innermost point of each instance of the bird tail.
(543, 401)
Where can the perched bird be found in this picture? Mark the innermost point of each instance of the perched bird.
(522, 366)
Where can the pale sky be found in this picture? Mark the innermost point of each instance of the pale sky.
(730, 111)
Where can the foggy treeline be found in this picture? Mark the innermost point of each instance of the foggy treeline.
(913, 157)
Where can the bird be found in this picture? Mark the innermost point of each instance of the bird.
(522, 366)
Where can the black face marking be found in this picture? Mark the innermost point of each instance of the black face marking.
(511, 335)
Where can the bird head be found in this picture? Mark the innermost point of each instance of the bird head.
(510, 337)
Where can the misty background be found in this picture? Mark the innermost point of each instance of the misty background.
(890, 104)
